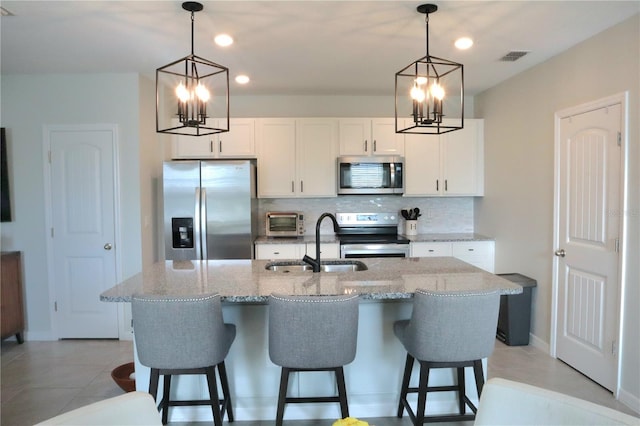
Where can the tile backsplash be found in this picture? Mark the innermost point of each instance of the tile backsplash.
(439, 215)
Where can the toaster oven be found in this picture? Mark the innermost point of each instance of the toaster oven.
(284, 224)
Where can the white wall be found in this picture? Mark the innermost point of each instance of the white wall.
(28, 103)
(519, 152)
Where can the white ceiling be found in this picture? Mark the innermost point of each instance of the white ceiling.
(298, 47)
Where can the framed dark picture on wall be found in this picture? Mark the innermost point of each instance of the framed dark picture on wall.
(5, 196)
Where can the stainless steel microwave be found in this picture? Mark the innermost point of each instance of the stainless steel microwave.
(284, 224)
(371, 175)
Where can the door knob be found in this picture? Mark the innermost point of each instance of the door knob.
(560, 253)
(107, 246)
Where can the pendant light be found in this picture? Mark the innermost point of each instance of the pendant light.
(192, 93)
(429, 93)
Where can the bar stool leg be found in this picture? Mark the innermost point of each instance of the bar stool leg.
(153, 383)
(342, 392)
(213, 395)
(461, 390)
(408, 366)
(478, 372)
(282, 395)
(224, 383)
(165, 398)
(422, 392)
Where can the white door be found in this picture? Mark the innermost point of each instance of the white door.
(587, 252)
(83, 230)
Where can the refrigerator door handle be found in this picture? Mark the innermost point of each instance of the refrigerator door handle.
(203, 223)
(196, 228)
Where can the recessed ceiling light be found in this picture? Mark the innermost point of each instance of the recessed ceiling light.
(463, 43)
(242, 79)
(223, 40)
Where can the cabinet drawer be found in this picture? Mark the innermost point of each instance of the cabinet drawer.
(327, 250)
(431, 249)
(478, 253)
(279, 251)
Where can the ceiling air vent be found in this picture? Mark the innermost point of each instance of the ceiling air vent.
(513, 56)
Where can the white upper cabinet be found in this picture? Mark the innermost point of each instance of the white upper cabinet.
(451, 164)
(297, 157)
(238, 142)
(370, 136)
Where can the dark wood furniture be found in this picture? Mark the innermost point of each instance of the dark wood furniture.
(11, 306)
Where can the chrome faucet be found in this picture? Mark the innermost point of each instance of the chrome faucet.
(315, 263)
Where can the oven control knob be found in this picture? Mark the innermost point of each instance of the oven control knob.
(393, 218)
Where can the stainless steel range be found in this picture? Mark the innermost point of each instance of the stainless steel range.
(370, 235)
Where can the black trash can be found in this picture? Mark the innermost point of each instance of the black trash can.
(514, 320)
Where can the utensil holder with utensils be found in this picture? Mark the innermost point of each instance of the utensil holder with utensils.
(411, 220)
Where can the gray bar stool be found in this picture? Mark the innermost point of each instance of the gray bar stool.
(447, 330)
(184, 335)
(312, 333)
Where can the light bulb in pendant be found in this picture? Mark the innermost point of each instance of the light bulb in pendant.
(182, 93)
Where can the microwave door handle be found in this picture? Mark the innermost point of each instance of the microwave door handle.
(392, 172)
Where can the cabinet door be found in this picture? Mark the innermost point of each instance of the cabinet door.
(431, 249)
(478, 253)
(239, 141)
(462, 159)
(422, 165)
(280, 251)
(316, 144)
(193, 146)
(355, 136)
(385, 139)
(276, 158)
(327, 250)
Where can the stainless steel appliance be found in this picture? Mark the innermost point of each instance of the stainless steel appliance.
(370, 175)
(284, 224)
(210, 209)
(370, 235)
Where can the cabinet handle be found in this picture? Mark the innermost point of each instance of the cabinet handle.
(276, 252)
(301, 186)
(220, 147)
(365, 145)
(210, 146)
(445, 185)
(437, 185)
(431, 250)
(470, 249)
(374, 145)
(293, 187)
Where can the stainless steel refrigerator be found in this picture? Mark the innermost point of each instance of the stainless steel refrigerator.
(210, 209)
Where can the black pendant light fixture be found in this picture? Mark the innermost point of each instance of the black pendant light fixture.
(429, 92)
(192, 93)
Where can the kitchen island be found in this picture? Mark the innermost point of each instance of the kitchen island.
(372, 380)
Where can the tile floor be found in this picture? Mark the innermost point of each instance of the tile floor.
(43, 379)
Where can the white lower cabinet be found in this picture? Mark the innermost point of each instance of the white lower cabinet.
(431, 249)
(280, 251)
(293, 251)
(327, 250)
(478, 253)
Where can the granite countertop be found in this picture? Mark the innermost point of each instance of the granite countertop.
(248, 281)
(420, 238)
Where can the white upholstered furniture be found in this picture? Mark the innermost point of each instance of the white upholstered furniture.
(133, 408)
(505, 402)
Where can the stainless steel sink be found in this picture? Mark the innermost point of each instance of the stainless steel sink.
(325, 266)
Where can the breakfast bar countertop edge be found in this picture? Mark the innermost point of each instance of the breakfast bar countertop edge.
(248, 281)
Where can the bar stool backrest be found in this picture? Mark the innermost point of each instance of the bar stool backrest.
(453, 326)
(179, 332)
(312, 331)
